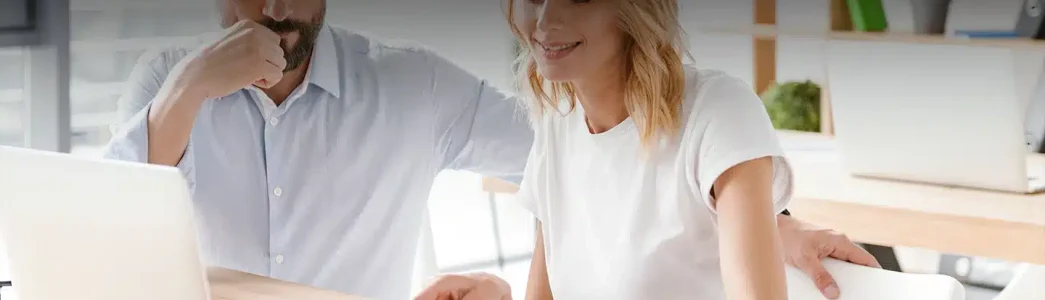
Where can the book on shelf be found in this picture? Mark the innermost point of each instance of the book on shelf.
(868, 15)
(988, 34)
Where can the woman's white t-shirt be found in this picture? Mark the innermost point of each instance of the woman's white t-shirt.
(622, 222)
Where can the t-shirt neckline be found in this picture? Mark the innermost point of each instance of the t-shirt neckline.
(625, 128)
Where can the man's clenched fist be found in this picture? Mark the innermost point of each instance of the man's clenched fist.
(248, 54)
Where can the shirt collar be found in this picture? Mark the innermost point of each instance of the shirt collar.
(324, 70)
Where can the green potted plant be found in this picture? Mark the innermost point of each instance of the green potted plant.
(794, 105)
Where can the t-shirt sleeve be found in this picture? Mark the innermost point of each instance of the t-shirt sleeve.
(530, 196)
(733, 127)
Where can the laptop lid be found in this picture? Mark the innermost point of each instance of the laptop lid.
(948, 114)
(85, 229)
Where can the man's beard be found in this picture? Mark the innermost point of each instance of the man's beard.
(307, 31)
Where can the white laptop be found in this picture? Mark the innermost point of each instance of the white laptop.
(88, 229)
(940, 114)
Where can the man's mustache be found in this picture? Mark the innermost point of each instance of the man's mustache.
(284, 26)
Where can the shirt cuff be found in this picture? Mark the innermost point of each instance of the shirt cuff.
(130, 142)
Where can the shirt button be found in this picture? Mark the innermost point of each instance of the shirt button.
(279, 259)
(278, 192)
(274, 121)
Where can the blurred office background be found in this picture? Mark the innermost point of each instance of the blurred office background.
(471, 232)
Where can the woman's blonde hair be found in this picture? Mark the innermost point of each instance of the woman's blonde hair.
(653, 76)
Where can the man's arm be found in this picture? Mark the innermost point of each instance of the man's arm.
(167, 89)
(752, 257)
(479, 127)
(170, 119)
(146, 110)
(167, 92)
(130, 140)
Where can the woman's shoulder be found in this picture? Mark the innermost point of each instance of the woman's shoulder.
(711, 92)
(709, 87)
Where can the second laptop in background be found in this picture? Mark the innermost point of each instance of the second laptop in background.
(932, 113)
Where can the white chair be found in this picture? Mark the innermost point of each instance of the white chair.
(858, 282)
(1028, 284)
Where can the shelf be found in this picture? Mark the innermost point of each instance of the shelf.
(773, 32)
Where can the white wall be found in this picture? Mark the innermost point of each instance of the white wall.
(472, 33)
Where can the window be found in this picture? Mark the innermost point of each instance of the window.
(11, 125)
(11, 128)
(108, 38)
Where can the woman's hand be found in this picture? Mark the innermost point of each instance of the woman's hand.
(473, 286)
(806, 246)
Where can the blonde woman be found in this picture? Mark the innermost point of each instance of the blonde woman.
(650, 179)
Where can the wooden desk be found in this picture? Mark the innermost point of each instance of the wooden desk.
(233, 285)
(889, 213)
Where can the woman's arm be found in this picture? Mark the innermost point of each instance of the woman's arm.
(752, 256)
(537, 286)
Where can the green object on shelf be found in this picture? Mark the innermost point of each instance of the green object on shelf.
(868, 15)
(794, 105)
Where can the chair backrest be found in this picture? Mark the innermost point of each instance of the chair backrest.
(858, 282)
(1026, 284)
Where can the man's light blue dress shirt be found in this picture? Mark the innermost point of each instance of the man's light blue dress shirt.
(329, 188)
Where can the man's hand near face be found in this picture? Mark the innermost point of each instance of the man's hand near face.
(248, 54)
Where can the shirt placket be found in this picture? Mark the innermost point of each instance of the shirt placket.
(278, 192)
